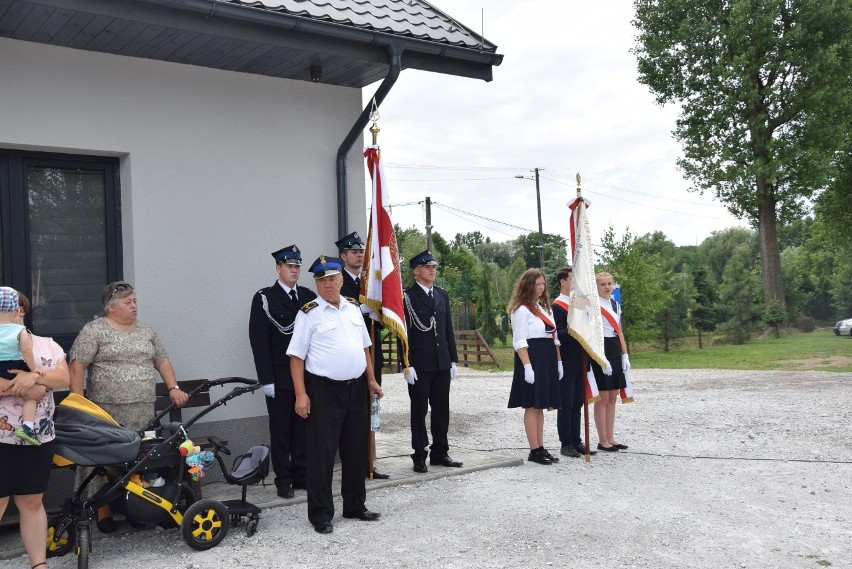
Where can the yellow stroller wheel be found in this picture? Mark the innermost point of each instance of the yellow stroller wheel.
(205, 524)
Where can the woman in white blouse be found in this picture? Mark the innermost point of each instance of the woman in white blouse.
(538, 367)
(615, 350)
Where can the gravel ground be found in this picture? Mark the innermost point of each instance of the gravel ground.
(725, 469)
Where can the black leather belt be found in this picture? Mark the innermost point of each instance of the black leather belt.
(334, 381)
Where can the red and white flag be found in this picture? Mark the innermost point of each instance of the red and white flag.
(584, 317)
(381, 280)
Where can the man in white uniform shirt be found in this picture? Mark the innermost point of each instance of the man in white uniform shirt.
(332, 375)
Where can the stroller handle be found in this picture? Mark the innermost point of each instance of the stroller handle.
(205, 385)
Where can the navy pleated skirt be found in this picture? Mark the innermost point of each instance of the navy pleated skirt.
(612, 351)
(544, 393)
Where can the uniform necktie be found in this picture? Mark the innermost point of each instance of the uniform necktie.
(293, 295)
(358, 282)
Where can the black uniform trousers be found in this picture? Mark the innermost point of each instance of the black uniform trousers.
(568, 418)
(287, 440)
(338, 421)
(432, 388)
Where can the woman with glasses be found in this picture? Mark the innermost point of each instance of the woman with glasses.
(121, 355)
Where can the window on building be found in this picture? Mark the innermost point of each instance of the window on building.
(61, 236)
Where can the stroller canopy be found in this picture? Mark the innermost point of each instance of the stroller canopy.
(88, 436)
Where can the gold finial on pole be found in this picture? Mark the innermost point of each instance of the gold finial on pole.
(374, 116)
(579, 192)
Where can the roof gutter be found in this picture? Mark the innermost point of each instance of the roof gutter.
(395, 50)
(281, 20)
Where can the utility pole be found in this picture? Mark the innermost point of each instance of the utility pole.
(540, 236)
(538, 204)
(428, 223)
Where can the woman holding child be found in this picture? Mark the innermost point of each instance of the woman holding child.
(28, 465)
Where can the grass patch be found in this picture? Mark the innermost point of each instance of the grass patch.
(820, 350)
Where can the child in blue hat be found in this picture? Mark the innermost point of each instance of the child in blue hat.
(16, 352)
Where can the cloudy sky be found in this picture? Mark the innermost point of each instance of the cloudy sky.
(565, 99)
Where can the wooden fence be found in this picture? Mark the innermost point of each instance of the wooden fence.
(470, 345)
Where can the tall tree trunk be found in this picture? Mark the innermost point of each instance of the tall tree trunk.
(770, 254)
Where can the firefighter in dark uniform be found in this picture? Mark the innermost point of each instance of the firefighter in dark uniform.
(351, 251)
(432, 354)
(273, 312)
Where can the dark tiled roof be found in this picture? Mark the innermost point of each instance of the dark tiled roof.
(408, 18)
(348, 39)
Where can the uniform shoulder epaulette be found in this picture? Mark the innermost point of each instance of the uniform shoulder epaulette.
(309, 306)
(352, 300)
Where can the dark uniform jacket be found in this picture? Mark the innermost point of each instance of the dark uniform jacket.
(352, 290)
(571, 350)
(436, 349)
(268, 344)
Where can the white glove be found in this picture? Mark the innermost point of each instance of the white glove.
(529, 375)
(410, 375)
(625, 362)
(454, 371)
(608, 369)
(561, 369)
(269, 390)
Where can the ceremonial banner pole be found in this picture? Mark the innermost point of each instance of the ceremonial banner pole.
(381, 280)
(584, 315)
(371, 456)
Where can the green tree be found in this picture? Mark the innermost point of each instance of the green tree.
(833, 207)
(737, 296)
(775, 316)
(764, 89)
(673, 319)
(555, 251)
(703, 300)
(715, 251)
(642, 279)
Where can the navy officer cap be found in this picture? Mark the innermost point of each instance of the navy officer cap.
(424, 258)
(351, 241)
(289, 255)
(326, 266)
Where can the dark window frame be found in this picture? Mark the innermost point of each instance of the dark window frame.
(14, 215)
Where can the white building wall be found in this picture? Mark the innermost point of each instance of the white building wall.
(218, 169)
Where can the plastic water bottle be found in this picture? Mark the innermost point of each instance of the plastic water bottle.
(375, 417)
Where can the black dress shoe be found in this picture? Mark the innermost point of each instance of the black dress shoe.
(106, 525)
(607, 449)
(445, 461)
(286, 492)
(379, 475)
(550, 456)
(620, 446)
(538, 457)
(323, 527)
(570, 451)
(420, 467)
(365, 516)
(581, 448)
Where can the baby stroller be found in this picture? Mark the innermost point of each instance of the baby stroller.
(87, 436)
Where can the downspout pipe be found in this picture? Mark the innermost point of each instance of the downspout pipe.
(395, 50)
